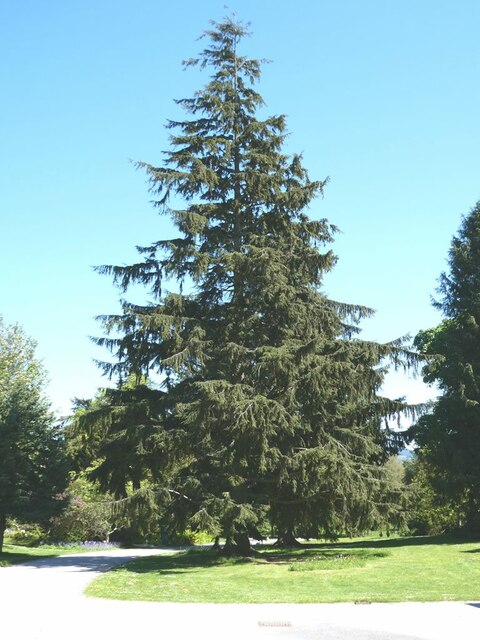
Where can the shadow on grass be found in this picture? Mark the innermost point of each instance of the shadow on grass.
(393, 543)
(7, 559)
(183, 561)
(318, 553)
(75, 562)
(208, 559)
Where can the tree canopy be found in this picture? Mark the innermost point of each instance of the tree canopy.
(32, 463)
(449, 437)
(269, 403)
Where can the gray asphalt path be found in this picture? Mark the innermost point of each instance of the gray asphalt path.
(44, 600)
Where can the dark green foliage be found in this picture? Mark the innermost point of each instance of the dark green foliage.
(449, 437)
(430, 510)
(32, 461)
(269, 402)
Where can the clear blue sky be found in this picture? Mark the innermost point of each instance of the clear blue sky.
(382, 96)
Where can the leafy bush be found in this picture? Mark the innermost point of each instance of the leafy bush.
(25, 533)
(81, 521)
(88, 515)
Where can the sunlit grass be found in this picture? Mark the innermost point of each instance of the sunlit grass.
(372, 570)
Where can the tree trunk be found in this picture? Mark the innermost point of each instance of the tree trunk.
(229, 547)
(244, 548)
(109, 533)
(3, 526)
(287, 539)
(239, 545)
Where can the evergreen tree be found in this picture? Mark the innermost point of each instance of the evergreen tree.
(449, 437)
(109, 439)
(269, 401)
(430, 511)
(32, 464)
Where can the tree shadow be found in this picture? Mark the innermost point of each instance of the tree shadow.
(196, 559)
(76, 563)
(8, 559)
(185, 561)
(318, 552)
(385, 543)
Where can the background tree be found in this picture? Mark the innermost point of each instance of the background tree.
(449, 437)
(269, 402)
(430, 509)
(89, 514)
(32, 462)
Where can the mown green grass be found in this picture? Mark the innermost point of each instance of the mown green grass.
(393, 570)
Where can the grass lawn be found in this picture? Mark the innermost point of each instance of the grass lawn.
(372, 570)
(15, 554)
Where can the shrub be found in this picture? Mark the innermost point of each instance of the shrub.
(25, 533)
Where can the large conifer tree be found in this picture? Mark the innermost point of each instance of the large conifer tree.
(269, 402)
(449, 437)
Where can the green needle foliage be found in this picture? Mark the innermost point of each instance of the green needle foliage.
(269, 403)
(449, 437)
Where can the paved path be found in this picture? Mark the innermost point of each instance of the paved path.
(44, 600)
